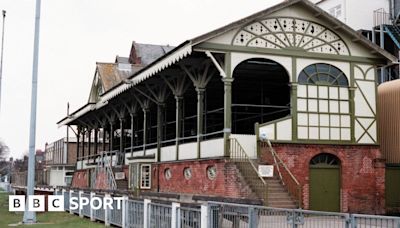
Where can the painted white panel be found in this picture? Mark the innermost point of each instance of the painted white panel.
(312, 91)
(215, 147)
(372, 131)
(268, 131)
(312, 105)
(344, 107)
(286, 62)
(323, 106)
(302, 91)
(344, 93)
(168, 153)
(365, 139)
(333, 92)
(345, 120)
(188, 151)
(249, 144)
(225, 38)
(302, 132)
(151, 151)
(345, 133)
(302, 119)
(313, 119)
(365, 122)
(358, 130)
(335, 121)
(302, 104)
(314, 133)
(368, 89)
(324, 133)
(333, 106)
(324, 120)
(335, 133)
(323, 92)
(358, 74)
(370, 74)
(284, 130)
(361, 106)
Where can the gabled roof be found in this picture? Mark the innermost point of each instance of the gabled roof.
(320, 13)
(111, 74)
(144, 54)
(158, 57)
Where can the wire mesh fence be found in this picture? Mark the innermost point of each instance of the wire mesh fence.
(76, 195)
(373, 221)
(160, 215)
(189, 217)
(116, 213)
(135, 212)
(86, 207)
(98, 210)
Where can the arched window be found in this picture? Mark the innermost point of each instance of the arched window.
(325, 159)
(323, 74)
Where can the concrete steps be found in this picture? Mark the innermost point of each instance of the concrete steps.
(278, 196)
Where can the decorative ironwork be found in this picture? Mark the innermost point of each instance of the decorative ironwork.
(294, 33)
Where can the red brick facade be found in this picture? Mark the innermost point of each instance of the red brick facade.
(362, 173)
(80, 179)
(227, 183)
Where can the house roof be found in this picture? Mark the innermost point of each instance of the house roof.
(111, 74)
(144, 54)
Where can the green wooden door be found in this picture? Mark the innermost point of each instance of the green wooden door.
(392, 185)
(325, 183)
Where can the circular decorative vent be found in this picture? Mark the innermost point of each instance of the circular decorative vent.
(187, 172)
(211, 172)
(167, 173)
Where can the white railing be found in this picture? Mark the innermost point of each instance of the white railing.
(145, 213)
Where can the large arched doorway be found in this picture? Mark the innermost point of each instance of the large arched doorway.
(325, 183)
(260, 93)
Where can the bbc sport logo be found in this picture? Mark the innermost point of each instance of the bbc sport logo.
(56, 203)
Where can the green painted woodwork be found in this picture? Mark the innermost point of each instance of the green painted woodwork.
(200, 118)
(178, 123)
(286, 52)
(160, 124)
(325, 188)
(392, 186)
(284, 33)
(227, 103)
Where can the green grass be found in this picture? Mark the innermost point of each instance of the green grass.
(44, 219)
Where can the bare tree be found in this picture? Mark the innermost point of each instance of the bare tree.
(3, 149)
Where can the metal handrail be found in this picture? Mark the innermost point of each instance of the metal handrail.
(279, 162)
(238, 154)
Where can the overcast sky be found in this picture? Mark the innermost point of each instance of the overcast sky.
(74, 35)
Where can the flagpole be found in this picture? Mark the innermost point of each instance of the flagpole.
(30, 216)
(2, 48)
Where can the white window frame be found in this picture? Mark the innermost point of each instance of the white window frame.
(141, 176)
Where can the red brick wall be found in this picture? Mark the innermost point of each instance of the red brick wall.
(362, 173)
(228, 182)
(80, 179)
